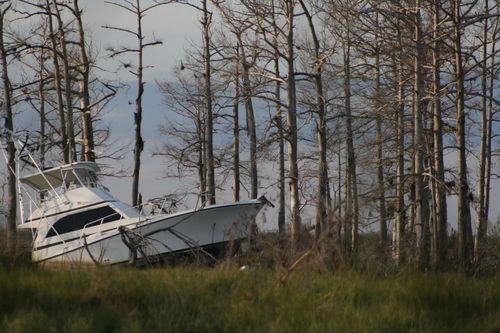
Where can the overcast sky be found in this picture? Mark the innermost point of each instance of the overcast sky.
(172, 24)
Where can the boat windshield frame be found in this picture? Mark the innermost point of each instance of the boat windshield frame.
(66, 177)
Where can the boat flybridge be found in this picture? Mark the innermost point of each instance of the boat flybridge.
(76, 222)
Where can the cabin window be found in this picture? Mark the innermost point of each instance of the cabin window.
(87, 218)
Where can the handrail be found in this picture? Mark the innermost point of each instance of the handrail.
(101, 223)
(91, 222)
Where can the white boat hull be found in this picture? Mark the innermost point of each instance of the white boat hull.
(159, 235)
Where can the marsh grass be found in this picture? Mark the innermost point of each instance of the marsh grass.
(324, 293)
(225, 299)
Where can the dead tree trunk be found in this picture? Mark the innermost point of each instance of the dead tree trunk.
(465, 242)
(352, 211)
(88, 153)
(322, 196)
(236, 131)
(209, 129)
(67, 91)
(140, 13)
(484, 172)
(292, 129)
(400, 214)
(63, 132)
(438, 181)
(11, 149)
(421, 218)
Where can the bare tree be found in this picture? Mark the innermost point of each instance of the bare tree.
(465, 241)
(5, 53)
(185, 132)
(319, 59)
(438, 185)
(380, 140)
(421, 221)
(277, 121)
(236, 131)
(135, 8)
(490, 36)
(67, 79)
(342, 14)
(209, 133)
(292, 129)
(275, 23)
(88, 151)
(281, 149)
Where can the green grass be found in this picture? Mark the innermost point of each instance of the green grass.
(194, 299)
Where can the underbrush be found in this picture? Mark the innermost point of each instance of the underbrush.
(17, 255)
(328, 255)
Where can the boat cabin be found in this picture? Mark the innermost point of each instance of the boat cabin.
(71, 198)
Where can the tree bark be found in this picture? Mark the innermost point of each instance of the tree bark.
(68, 98)
(88, 153)
(352, 211)
(209, 129)
(292, 129)
(322, 196)
(11, 149)
(252, 128)
(63, 132)
(465, 244)
(439, 195)
(483, 185)
(236, 131)
(421, 218)
(281, 132)
(382, 209)
(400, 218)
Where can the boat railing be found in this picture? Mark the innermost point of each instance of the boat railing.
(172, 203)
(92, 224)
(167, 204)
(43, 217)
(100, 222)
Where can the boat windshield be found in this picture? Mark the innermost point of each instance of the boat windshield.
(75, 178)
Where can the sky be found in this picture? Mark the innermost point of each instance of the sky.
(172, 24)
(162, 23)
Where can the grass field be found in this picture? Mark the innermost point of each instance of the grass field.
(225, 299)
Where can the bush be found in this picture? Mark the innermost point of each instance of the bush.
(18, 256)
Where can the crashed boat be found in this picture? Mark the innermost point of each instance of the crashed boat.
(76, 222)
